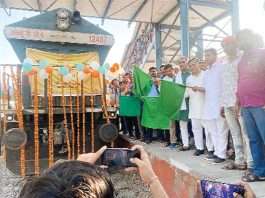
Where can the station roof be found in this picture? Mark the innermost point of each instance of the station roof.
(148, 11)
(202, 13)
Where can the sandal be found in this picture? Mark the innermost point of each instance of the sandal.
(233, 166)
(252, 178)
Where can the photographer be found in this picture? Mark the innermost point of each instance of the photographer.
(81, 178)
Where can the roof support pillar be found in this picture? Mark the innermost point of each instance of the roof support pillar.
(235, 16)
(199, 53)
(184, 24)
(158, 46)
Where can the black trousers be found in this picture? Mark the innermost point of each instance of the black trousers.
(148, 134)
(131, 124)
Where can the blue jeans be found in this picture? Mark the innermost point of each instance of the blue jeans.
(254, 119)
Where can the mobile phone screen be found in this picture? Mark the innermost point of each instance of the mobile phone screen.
(218, 189)
(119, 157)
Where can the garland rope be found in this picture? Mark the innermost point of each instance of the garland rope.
(36, 127)
(92, 125)
(50, 116)
(4, 103)
(104, 106)
(65, 122)
(72, 123)
(77, 113)
(92, 134)
(18, 105)
(83, 117)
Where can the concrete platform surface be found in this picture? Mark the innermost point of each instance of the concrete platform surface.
(197, 167)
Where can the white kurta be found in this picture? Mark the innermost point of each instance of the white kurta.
(212, 83)
(196, 98)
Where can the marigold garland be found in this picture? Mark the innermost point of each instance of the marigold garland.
(77, 113)
(18, 105)
(72, 122)
(104, 106)
(92, 135)
(4, 103)
(50, 120)
(65, 122)
(83, 117)
(36, 127)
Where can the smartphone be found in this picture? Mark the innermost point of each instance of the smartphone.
(218, 189)
(119, 157)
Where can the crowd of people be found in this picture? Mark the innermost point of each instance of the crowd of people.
(224, 97)
(223, 109)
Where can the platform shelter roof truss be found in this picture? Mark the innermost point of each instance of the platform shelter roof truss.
(202, 13)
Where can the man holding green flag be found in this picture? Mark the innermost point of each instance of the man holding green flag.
(157, 110)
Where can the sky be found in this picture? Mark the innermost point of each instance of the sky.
(252, 15)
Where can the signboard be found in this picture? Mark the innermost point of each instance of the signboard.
(58, 36)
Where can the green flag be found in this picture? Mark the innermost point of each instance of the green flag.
(171, 97)
(129, 106)
(142, 82)
(152, 116)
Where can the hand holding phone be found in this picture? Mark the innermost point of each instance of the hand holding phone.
(218, 189)
(119, 157)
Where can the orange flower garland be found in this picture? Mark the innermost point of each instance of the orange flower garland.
(72, 123)
(36, 127)
(18, 105)
(50, 120)
(112, 69)
(32, 72)
(116, 66)
(92, 136)
(65, 122)
(87, 70)
(49, 69)
(77, 113)
(95, 74)
(4, 102)
(83, 117)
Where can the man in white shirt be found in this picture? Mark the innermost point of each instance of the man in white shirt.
(171, 76)
(229, 88)
(195, 92)
(183, 115)
(215, 125)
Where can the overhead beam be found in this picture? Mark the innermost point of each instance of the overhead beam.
(170, 29)
(106, 11)
(94, 7)
(168, 14)
(210, 3)
(214, 20)
(52, 4)
(122, 8)
(137, 12)
(175, 27)
(171, 49)
(208, 21)
(171, 46)
(174, 55)
(27, 4)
